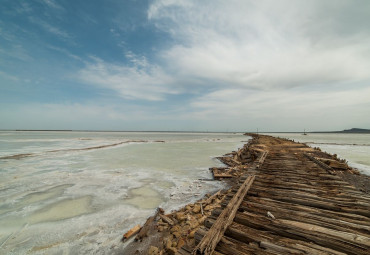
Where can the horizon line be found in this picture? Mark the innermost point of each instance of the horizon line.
(167, 131)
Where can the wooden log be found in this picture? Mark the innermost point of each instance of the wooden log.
(348, 217)
(166, 219)
(323, 193)
(341, 241)
(323, 165)
(306, 178)
(211, 198)
(315, 211)
(341, 190)
(229, 246)
(131, 232)
(213, 236)
(320, 217)
(220, 176)
(238, 235)
(311, 200)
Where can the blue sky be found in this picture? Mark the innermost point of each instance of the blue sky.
(185, 65)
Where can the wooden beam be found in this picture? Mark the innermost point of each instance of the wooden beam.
(208, 243)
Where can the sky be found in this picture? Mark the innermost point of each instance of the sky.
(185, 65)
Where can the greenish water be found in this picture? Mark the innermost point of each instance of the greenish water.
(61, 200)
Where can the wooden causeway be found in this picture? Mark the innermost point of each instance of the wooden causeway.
(288, 202)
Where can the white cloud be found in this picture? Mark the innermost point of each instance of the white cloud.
(264, 44)
(281, 65)
(50, 28)
(287, 110)
(138, 81)
(248, 44)
(52, 4)
(65, 52)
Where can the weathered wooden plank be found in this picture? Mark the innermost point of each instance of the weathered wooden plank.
(230, 246)
(311, 200)
(353, 218)
(336, 240)
(213, 236)
(275, 243)
(319, 218)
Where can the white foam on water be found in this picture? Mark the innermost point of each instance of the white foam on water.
(81, 202)
(364, 169)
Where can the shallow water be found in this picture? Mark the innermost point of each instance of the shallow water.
(353, 147)
(60, 200)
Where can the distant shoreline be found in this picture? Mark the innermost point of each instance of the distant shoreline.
(118, 131)
(346, 131)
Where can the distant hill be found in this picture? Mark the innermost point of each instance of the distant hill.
(348, 131)
(355, 130)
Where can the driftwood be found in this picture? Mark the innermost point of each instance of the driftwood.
(211, 198)
(166, 219)
(131, 232)
(220, 176)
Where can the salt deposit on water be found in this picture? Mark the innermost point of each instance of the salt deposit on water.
(59, 198)
(55, 199)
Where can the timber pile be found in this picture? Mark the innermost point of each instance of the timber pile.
(297, 204)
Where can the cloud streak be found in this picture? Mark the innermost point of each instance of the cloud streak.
(52, 4)
(139, 81)
(50, 28)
